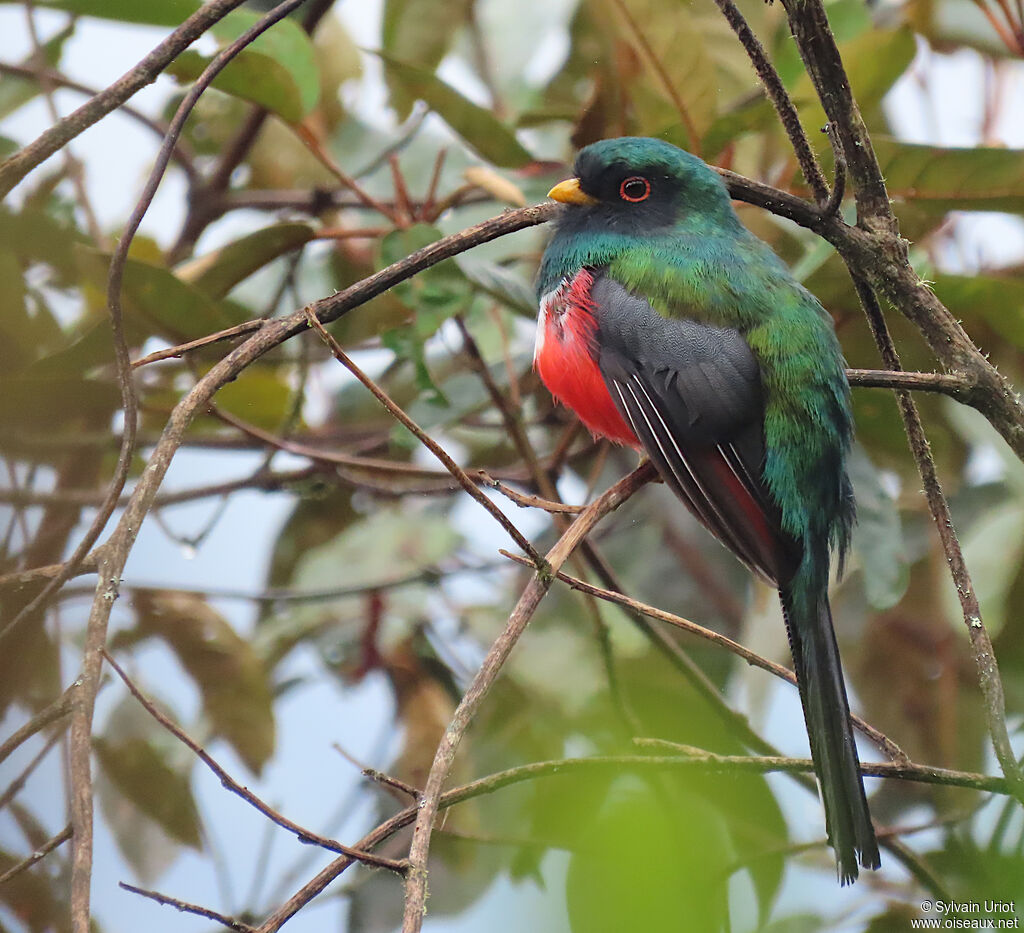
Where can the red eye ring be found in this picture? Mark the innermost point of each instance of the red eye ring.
(641, 189)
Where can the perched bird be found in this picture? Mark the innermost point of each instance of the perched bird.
(667, 326)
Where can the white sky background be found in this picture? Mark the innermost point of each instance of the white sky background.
(306, 772)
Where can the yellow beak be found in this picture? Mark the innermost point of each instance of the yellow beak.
(570, 192)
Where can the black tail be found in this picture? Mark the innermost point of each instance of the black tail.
(827, 714)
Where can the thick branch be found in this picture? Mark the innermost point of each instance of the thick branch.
(817, 45)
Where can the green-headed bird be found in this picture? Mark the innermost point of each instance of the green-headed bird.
(667, 326)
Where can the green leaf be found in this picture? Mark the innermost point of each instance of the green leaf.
(232, 679)
(277, 71)
(666, 29)
(419, 32)
(936, 178)
(152, 12)
(142, 772)
(217, 272)
(642, 863)
(155, 295)
(476, 126)
(259, 395)
(998, 300)
(30, 399)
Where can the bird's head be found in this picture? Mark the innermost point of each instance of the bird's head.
(640, 186)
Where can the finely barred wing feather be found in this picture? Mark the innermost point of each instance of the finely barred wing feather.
(692, 395)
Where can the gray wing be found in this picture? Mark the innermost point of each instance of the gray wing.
(692, 394)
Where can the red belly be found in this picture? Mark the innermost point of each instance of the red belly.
(565, 360)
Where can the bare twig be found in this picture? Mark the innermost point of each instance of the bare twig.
(228, 782)
(14, 788)
(96, 631)
(72, 165)
(540, 583)
(779, 97)
(397, 787)
(44, 850)
(185, 907)
(56, 137)
(835, 199)
(951, 384)
(463, 479)
(56, 710)
(528, 502)
(699, 760)
(887, 745)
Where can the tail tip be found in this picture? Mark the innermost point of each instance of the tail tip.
(848, 865)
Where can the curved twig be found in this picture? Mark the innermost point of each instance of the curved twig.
(537, 588)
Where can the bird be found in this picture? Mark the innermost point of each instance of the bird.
(668, 327)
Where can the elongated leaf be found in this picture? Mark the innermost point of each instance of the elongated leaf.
(477, 126)
(141, 771)
(151, 13)
(942, 179)
(277, 71)
(999, 300)
(154, 295)
(217, 272)
(419, 32)
(680, 81)
(231, 678)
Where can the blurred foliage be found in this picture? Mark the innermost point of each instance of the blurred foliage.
(382, 573)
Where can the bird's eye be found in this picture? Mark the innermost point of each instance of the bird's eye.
(635, 188)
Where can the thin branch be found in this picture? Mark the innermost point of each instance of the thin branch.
(460, 475)
(229, 783)
(185, 907)
(528, 502)
(182, 154)
(887, 745)
(17, 166)
(394, 785)
(56, 710)
(780, 99)
(44, 850)
(14, 788)
(616, 764)
(951, 384)
(981, 644)
(831, 207)
(176, 352)
(511, 417)
(540, 583)
(72, 165)
(809, 24)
